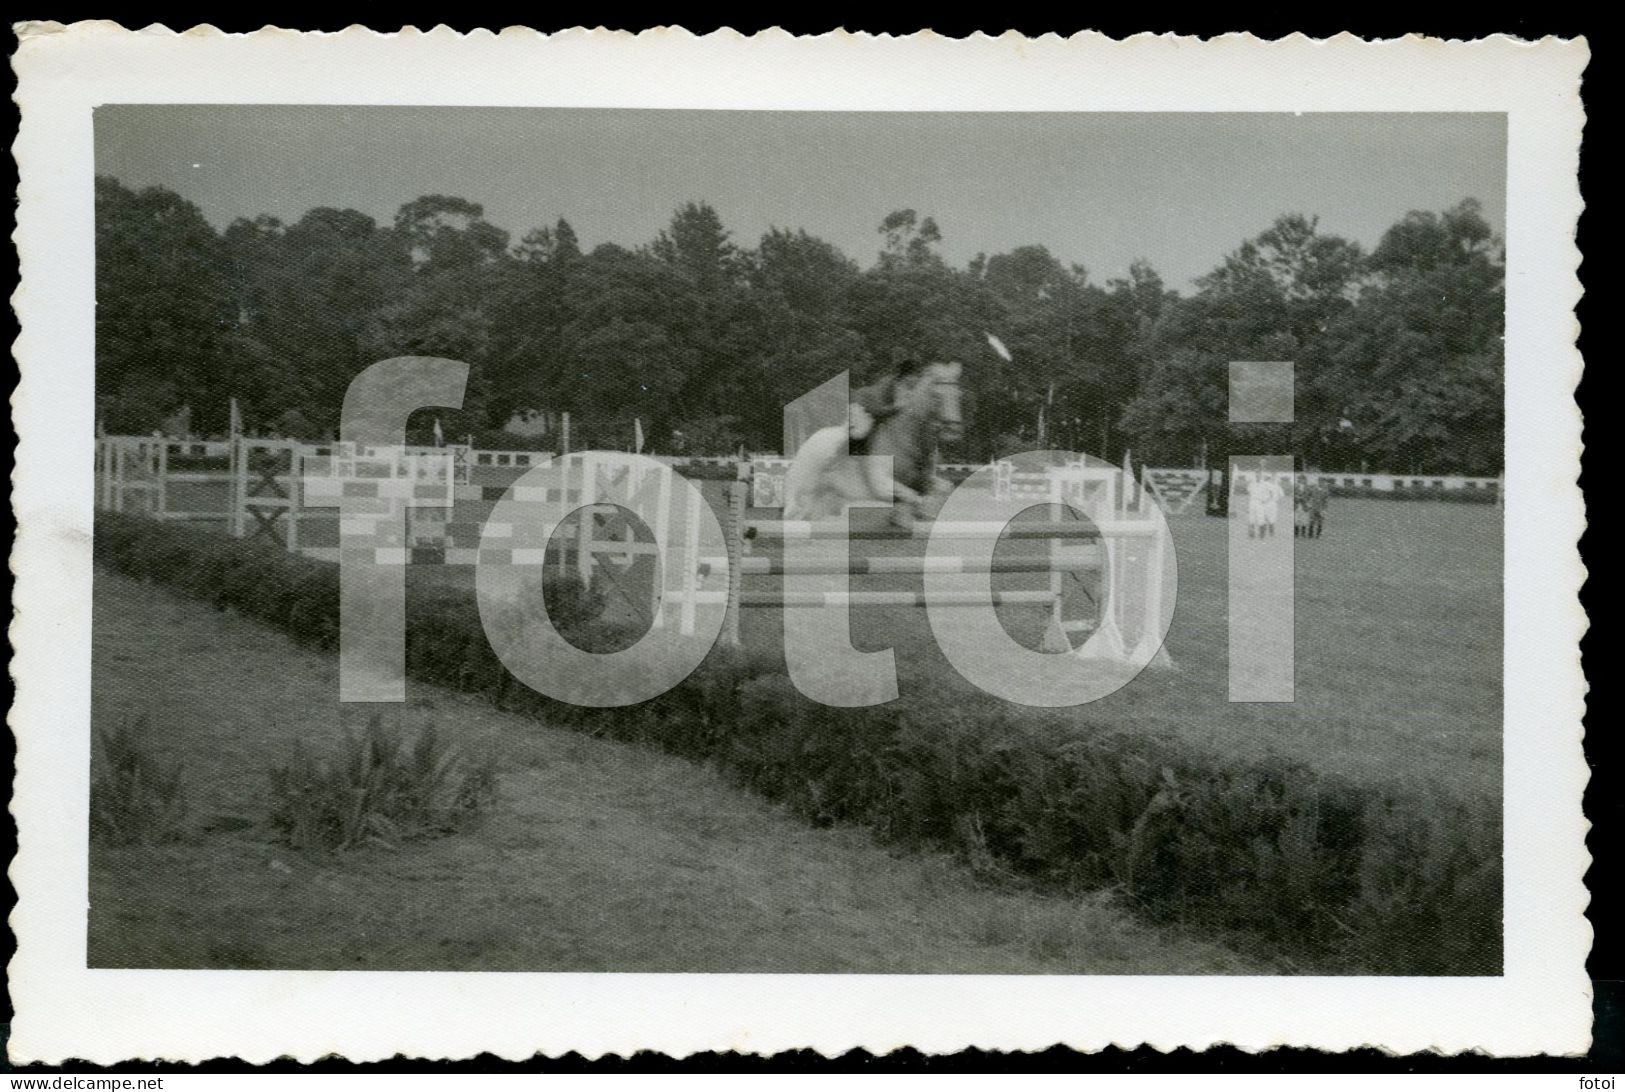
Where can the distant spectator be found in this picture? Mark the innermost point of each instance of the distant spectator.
(1320, 495)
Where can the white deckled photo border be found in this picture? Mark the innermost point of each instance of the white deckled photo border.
(1541, 1004)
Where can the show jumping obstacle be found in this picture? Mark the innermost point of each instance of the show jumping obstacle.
(1177, 489)
(1122, 535)
(290, 493)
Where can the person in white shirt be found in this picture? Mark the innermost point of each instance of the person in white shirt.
(1263, 507)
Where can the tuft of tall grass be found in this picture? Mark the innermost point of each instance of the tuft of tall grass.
(136, 798)
(379, 786)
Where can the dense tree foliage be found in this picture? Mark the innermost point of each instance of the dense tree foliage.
(705, 338)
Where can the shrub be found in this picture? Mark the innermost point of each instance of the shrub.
(569, 602)
(378, 787)
(135, 797)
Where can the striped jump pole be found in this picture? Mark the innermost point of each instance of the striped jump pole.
(978, 529)
(733, 535)
(1072, 547)
(893, 599)
(1115, 537)
(1063, 560)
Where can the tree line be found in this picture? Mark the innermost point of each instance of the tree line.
(1398, 351)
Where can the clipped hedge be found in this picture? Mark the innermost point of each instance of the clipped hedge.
(1324, 874)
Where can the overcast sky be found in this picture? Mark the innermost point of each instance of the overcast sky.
(1099, 190)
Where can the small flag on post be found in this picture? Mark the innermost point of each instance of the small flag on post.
(637, 435)
(439, 434)
(998, 346)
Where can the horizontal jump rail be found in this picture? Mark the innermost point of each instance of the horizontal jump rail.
(196, 517)
(202, 477)
(1085, 558)
(801, 529)
(892, 599)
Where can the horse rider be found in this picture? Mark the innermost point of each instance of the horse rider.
(878, 401)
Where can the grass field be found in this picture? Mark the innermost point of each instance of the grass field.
(599, 857)
(603, 856)
(1398, 646)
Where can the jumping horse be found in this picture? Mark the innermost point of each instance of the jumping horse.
(826, 477)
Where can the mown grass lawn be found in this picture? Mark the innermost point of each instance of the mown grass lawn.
(1398, 647)
(598, 857)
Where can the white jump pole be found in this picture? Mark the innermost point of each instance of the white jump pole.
(737, 492)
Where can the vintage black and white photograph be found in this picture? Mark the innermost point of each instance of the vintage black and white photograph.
(911, 542)
(666, 283)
